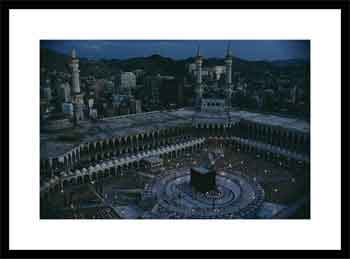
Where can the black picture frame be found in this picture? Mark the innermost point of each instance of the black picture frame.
(255, 4)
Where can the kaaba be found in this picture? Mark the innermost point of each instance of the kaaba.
(203, 179)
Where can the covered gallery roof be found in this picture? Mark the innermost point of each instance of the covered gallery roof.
(55, 143)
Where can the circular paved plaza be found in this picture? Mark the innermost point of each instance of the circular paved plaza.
(236, 196)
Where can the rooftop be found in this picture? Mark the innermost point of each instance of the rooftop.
(55, 143)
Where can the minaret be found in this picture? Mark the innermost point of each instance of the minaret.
(77, 96)
(228, 90)
(198, 90)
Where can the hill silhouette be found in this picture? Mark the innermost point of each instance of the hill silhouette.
(156, 64)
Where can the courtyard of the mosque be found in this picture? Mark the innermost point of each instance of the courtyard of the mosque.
(248, 186)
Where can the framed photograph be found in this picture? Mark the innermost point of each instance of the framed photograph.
(145, 129)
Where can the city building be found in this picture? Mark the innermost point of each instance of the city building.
(160, 90)
(68, 109)
(135, 106)
(65, 92)
(126, 80)
(192, 68)
(47, 93)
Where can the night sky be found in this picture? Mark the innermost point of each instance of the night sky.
(180, 49)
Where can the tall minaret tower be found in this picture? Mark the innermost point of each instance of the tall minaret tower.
(228, 88)
(198, 90)
(77, 96)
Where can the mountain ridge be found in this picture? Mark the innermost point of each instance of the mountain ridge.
(154, 64)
